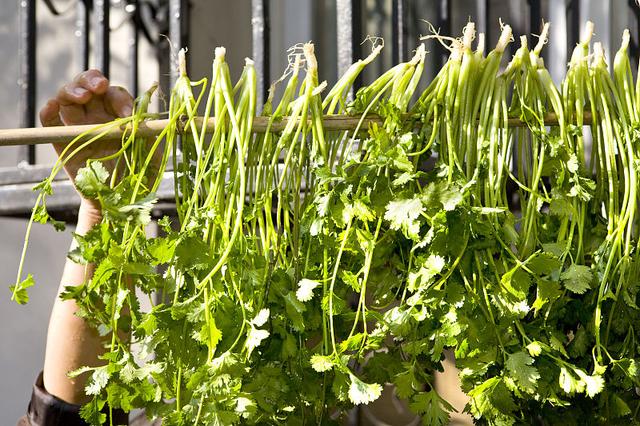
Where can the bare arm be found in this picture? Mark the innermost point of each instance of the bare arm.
(71, 343)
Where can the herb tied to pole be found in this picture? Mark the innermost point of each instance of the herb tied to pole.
(311, 264)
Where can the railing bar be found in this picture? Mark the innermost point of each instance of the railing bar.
(398, 31)
(573, 18)
(102, 36)
(134, 41)
(261, 47)
(482, 17)
(444, 26)
(178, 30)
(535, 13)
(349, 28)
(83, 22)
(28, 38)
(634, 29)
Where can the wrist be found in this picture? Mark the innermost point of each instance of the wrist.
(89, 214)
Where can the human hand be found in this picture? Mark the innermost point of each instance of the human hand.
(88, 99)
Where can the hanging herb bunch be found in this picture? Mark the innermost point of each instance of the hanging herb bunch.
(309, 264)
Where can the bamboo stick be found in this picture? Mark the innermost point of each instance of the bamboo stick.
(151, 128)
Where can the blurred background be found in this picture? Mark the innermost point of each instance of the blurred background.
(45, 43)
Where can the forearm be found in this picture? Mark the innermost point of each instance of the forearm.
(71, 343)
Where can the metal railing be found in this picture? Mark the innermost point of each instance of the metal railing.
(155, 19)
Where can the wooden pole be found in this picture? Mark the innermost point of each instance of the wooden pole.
(152, 128)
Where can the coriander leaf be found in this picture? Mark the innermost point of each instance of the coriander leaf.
(431, 267)
(492, 400)
(92, 412)
(98, 380)
(254, 338)
(321, 363)
(90, 180)
(261, 318)
(577, 278)
(363, 393)
(568, 382)
(193, 253)
(403, 215)
(138, 212)
(544, 263)
(406, 383)
(593, 384)
(162, 249)
(352, 343)
(433, 409)
(351, 280)
(245, 406)
(534, 348)
(519, 364)
(305, 289)
(618, 407)
(20, 294)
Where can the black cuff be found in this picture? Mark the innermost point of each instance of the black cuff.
(47, 410)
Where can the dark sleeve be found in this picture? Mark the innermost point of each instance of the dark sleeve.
(47, 410)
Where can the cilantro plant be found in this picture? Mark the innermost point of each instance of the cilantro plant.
(306, 267)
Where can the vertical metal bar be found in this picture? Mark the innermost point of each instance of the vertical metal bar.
(399, 32)
(444, 26)
(27, 81)
(482, 17)
(133, 9)
(573, 25)
(634, 29)
(178, 26)
(535, 13)
(83, 19)
(102, 36)
(558, 51)
(261, 42)
(349, 27)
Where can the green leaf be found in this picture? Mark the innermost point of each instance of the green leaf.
(431, 267)
(593, 384)
(519, 365)
(568, 383)
(138, 212)
(363, 393)
(161, 249)
(261, 318)
(193, 253)
(492, 400)
(351, 280)
(92, 412)
(534, 348)
(119, 397)
(97, 381)
(577, 278)
(322, 363)
(305, 289)
(294, 309)
(90, 180)
(544, 263)
(406, 383)
(353, 343)
(403, 215)
(255, 338)
(618, 407)
(433, 409)
(19, 291)
(245, 406)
